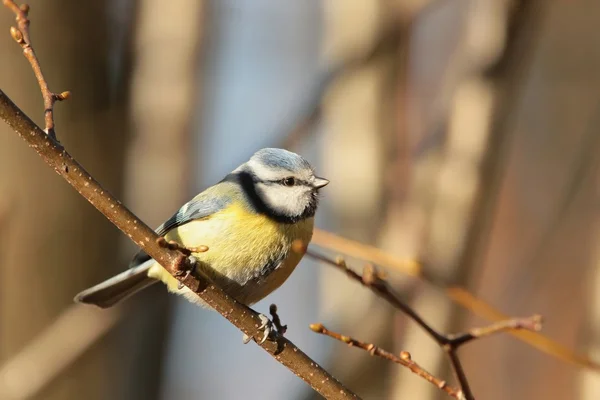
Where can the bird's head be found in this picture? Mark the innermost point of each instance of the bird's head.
(285, 182)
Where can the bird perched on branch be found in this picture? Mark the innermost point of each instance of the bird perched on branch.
(240, 231)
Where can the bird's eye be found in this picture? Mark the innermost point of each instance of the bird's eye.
(290, 181)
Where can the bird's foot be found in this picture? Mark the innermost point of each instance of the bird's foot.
(173, 245)
(186, 264)
(266, 326)
(186, 269)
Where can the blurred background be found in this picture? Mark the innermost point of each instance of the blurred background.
(463, 133)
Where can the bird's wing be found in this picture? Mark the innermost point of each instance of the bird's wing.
(202, 206)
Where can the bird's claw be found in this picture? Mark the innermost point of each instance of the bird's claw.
(266, 326)
(191, 263)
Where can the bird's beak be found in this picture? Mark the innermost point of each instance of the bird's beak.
(320, 182)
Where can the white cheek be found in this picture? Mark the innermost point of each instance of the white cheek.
(286, 200)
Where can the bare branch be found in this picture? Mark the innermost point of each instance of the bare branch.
(173, 260)
(374, 281)
(533, 323)
(404, 359)
(21, 36)
(458, 295)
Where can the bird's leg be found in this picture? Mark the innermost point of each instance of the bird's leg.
(189, 266)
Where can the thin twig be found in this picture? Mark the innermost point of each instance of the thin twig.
(533, 323)
(458, 295)
(174, 261)
(21, 36)
(449, 343)
(404, 359)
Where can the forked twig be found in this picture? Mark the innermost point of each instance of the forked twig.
(21, 35)
(456, 294)
(373, 280)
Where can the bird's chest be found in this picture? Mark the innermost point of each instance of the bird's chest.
(249, 254)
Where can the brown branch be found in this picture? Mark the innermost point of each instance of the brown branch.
(533, 323)
(374, 281)
(458, 295)
(404, 359)
(174, 261)
(21, 36)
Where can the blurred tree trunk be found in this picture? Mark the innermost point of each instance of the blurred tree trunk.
(58, 244)
(539, 258)
(491, 60)
(590, 380)
(355, 157)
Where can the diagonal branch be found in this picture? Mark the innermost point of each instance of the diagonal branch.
(173, 260)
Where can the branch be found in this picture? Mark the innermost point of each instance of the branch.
(374, 281)
(533, 323)
(405, 359)
(173, 260)
(458, 295)
(21, 36)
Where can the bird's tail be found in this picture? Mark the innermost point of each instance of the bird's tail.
(119, 287)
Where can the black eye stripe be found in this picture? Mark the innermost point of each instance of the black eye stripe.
(297, 182)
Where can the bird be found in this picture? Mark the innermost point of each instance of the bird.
(246, 224)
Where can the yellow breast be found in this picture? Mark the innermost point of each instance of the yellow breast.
(241, 246)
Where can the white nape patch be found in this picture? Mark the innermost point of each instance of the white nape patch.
(290, 201)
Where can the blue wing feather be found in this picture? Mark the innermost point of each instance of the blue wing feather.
(210, 201)
(201, 206)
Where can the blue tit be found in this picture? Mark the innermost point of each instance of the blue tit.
(248, 221)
